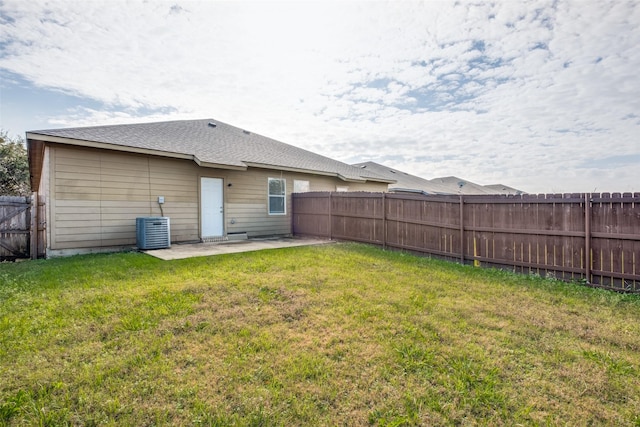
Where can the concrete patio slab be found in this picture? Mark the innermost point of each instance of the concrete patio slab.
(189, 250)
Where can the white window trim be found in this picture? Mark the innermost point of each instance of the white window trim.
(269, 196)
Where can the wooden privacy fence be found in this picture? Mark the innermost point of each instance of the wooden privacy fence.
(590, 237)
(21, 233)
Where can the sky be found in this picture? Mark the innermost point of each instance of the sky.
(543, 96)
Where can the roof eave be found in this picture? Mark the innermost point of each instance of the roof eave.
(316, 172)
(105, 145)
(36, 137)
(385, 180)
(35, 154)
(291, 169)
(368, 179)
(219, 165)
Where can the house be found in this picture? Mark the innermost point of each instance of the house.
(405, 182)
(463, 186)
(503, 189)
(212, 180)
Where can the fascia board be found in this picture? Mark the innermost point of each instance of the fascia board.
(106, 146)
(316, 172)
(218, 165)
(288, 169)
(129, 149)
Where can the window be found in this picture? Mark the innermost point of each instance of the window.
(300, 186)
(277, 196)
(342, 189)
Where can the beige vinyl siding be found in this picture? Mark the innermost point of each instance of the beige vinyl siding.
(247, 199)
(325, 183)
(95, 196)
(177, 181)
(247, 204)
(44, 190)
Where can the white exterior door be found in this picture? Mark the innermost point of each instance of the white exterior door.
(211, 207)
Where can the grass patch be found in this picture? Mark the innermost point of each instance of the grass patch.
(342, 334)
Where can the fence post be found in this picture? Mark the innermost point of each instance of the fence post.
(330, 218)
(587, 237)
(462, 229)
(384, 221)
(33, 229)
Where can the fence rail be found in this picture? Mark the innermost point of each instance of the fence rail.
(588, 236)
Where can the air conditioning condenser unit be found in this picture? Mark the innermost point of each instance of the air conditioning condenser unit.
(153, 232)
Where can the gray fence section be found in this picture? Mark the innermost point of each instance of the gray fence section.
(22, 235)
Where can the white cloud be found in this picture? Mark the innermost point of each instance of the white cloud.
(530, 94)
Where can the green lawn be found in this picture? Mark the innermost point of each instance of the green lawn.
(339, 334)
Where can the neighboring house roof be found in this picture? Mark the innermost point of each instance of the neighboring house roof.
(503, 189)
(208, 142)
(444, 185)
(462, 186)
(405, 181)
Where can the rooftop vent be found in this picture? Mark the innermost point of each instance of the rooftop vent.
(212, 124)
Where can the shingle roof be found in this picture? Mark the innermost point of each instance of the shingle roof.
(443, 185)
(210, 143)
(405, 181)
(460, 185)
(503, 189)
